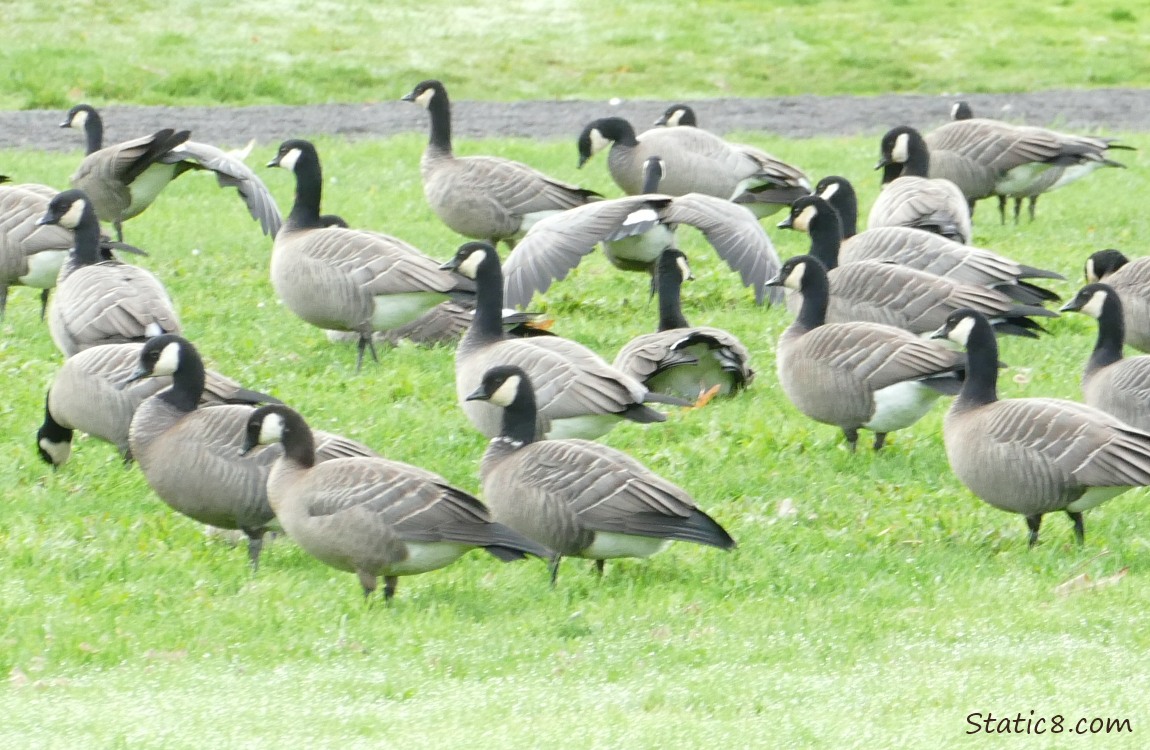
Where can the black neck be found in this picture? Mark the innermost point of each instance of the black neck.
(187, 382)
(670, 300)
(847, 205)
(86, 236)
(1111, 333)
(826, 237)
(94, 130)
(519, 417)
(981, 384)
(917, 162)
(652, 175)
(816, 294)
(619, 130)
(297, 439)
(439, 108)
(891, 172)
(308, 191)
(488, 321)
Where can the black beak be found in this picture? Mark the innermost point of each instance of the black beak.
(479, 394)
(408, 97)
(941, 332)
(882, 163)
(787, 223)
(47, 218)
(450, 265)
(274, 162)
(583, 160)
(139, 374)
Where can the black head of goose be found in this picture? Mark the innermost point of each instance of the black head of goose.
(124, 179)
(1112, 383)
(580, 394)
(345, 279)
(676, 115)
(100, 300)
(909, 198)
(484, 197)
(1034, 456)
(591, 501)
(634, 231)
(856, 375)
(840, 193)
(895, 294)
(369, 515)
(1131, 279)
(681, 359)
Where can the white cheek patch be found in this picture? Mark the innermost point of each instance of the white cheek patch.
(598, 141)
(424, 99)
(684, 268)
(271, 429)
(169, 360)
(1091, 274)
(829, 191)
(960, 334)
(288, 160)
(794, 279)
(507, 392)
(899, 154)
(59, 452)
(1093, 308)
(802, 222)
(71, 217)
(79, 120)
(470, 266)
(675, 118)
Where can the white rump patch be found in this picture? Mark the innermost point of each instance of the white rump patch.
(43, 268)
(288, 160)
(641, 216)
(900, 405)
(271, 429)
(153, 329)
(899, 153)
(71, 217)
(507, 392)
(425, 556)
(609, 544)
(169, 360)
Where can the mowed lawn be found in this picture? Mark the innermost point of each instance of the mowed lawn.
(294, 52)
(872, 601)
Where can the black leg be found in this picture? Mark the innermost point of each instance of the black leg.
(1002, 209)
(3, 299)
(599, 567)
(367, 581)
(852, 436)
(1017, 208)
(879, 440)
(389, 584)
(119, 231)
(553, 568)
(1033, 203)
(255, 546)
(43, 302)
(1079, 527)
(1032, 523)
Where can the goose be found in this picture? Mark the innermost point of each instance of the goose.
(774, 196)
(372, 516)
(578, 498)
(909, 198)
(987, 157)
(1112, 383)
(88, 394)
(840, 193)
(857, 375)
(1131, 279)
(878, 291)
(634, 231)
(484, 197)
(681, 359)
(192, 458)
(580, 395)
(1034, 456)
(346, 279)
(100, 300)
(124, 179)
(696, 162)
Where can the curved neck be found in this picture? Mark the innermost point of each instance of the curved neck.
(308, 191)
(520, 416)
(917, 162)
(847, 206)
(1111, 333)
(187, 382)
(826, 238)
(981, 384)
(488, 321)
(298, 441)
(439, 108)
(816, 294)
(620, 131)
(94, 131)
(670, 301)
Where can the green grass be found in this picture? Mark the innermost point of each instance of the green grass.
(291, 52)
(889, 608)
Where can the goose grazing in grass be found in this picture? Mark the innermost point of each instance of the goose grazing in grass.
(909, 197)
(857, 375)
(578, 498)
(372, 516)
(1115, 384)
(580, 395)
(484, 197)
(88, 393)
(987, 157)
(787, 182)
(634, 232)
(193, 458)
(100, 300)
(1034, 456)
(696, 162)
(346, 279)
(124, 179)
(681, 359)
(878, 291)
(1131, 279)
